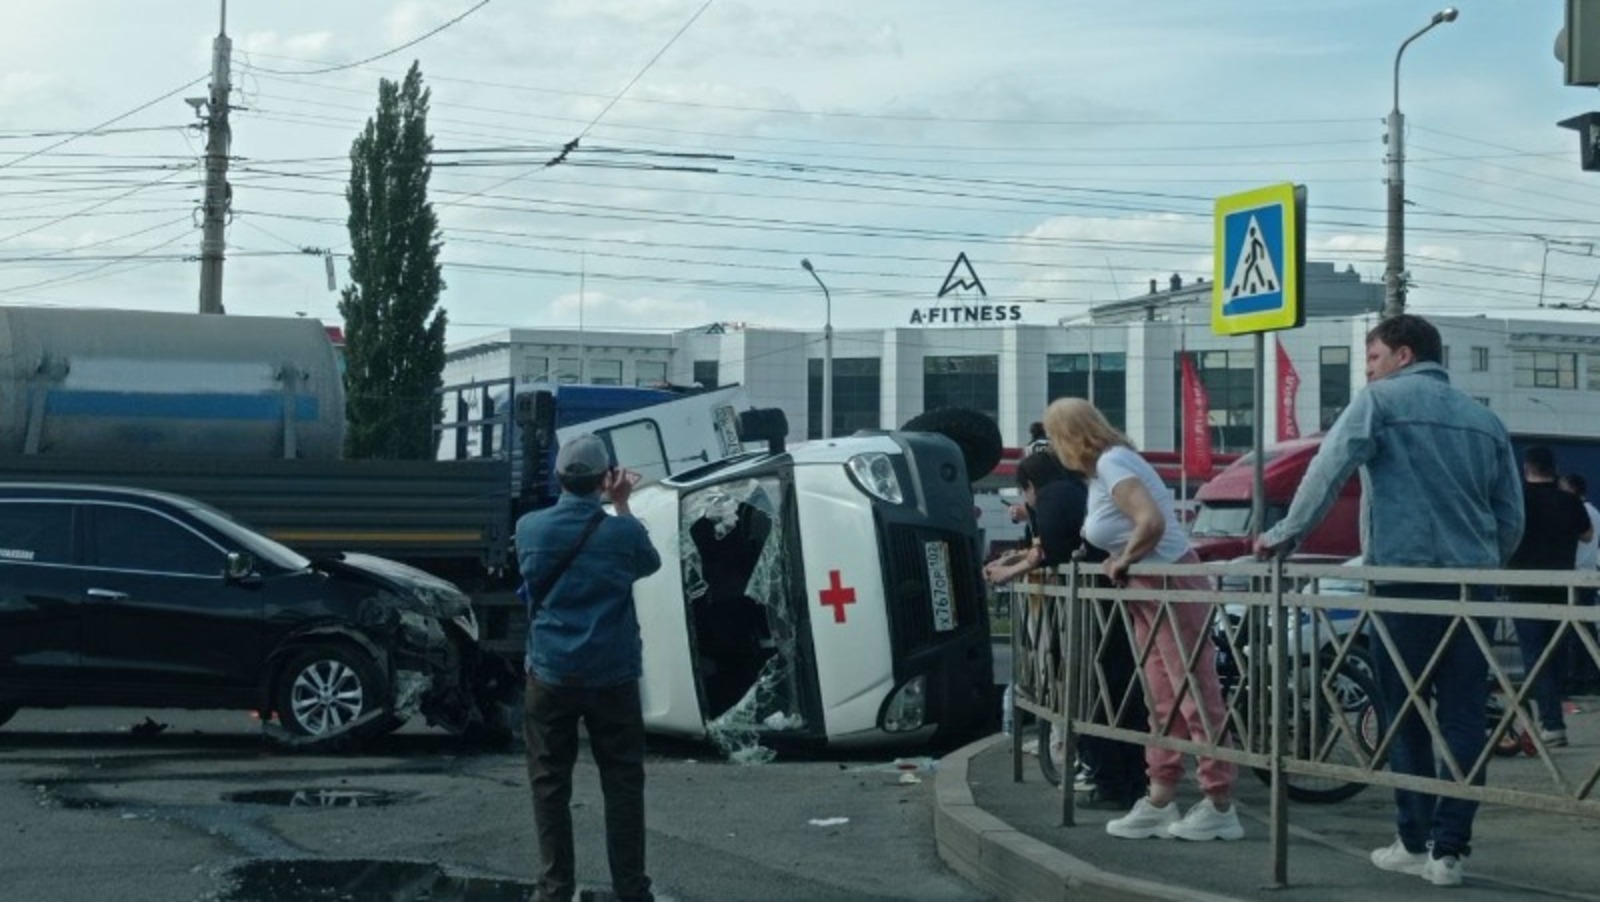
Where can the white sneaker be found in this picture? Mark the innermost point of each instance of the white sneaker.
(1083, 780)
(1395, 858)
(1144, 821)
(1204, 822)
(1446, 871)
(1555, 739)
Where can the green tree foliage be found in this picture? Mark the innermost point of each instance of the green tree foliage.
(394, 328)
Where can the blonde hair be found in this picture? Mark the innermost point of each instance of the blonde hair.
(1080, 433)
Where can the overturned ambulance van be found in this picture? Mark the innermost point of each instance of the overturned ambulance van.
(828, 594)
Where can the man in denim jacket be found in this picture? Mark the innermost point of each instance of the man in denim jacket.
(584, 661)
(1440, 487)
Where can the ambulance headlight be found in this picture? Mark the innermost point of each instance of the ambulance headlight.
(874, 472)
(908, 707)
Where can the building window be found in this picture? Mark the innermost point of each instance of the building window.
(1481, 400)
(972, 382)
(650, 372)
(1480, 360)
(605, 372)
(1544, 369)
(535, 369)
(568, 371)
(705, 373)
(1333, 383)
(857, 395)
(1444, 356)
(1067, 376)
(1228, 377)
(1591, 367)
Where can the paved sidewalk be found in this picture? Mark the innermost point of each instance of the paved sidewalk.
(1004, 836)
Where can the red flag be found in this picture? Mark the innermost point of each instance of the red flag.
(1288, 387)
(1196, 423)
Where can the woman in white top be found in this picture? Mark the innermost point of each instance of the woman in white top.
(1130, 514)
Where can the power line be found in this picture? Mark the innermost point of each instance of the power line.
(343, 66)
(89, 131)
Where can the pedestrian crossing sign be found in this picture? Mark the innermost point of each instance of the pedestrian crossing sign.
(1259, 260)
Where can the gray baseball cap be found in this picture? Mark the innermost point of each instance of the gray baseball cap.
(585, 455)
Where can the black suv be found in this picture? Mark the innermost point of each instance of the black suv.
(128, 598)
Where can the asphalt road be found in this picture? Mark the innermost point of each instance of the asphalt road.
(103, 804)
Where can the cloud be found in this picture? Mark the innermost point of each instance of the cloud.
(645, 313)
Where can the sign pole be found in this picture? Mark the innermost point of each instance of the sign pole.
(1258, 495)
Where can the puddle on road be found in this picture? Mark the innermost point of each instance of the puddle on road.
(315, 798)
(357, 881)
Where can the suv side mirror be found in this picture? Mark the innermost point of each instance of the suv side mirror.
(240, 565)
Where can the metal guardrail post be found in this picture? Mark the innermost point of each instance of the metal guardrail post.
(1071, 661)
(1019, 613)
(1276, 644)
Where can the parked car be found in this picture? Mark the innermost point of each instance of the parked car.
(122, 597)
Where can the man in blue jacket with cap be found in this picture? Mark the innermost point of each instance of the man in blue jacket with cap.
(584, 661)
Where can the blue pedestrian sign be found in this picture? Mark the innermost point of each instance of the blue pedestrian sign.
(1259, 261)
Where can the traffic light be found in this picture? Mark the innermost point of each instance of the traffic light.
(1578, 43)
(1588, 128)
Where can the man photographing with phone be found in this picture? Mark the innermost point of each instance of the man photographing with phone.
(584, 661)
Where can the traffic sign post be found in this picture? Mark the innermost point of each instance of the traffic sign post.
(1259, 271)
(1259, 261)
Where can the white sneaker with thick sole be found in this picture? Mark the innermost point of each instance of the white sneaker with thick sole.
(1204, 822)
(1145, 821)
(1395, 858)
(1446, 871)
(1555, 739)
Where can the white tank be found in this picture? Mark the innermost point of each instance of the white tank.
(130, 382)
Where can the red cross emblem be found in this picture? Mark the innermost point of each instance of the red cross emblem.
(837, 596)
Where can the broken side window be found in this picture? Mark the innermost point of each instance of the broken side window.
(740, 614)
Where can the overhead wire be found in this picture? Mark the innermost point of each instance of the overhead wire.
(93, 129)
(340, 67)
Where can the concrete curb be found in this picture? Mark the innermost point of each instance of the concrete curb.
(1012, 865)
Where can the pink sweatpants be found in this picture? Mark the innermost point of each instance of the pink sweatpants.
(1185, 623)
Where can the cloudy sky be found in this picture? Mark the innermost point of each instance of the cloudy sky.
(1072, 151)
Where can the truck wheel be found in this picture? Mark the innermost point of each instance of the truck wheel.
(974, 433)
(326, 687)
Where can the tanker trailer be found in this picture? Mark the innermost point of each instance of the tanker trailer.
(142, 383)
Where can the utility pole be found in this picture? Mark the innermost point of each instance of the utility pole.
(218, 195)
(1394, 249)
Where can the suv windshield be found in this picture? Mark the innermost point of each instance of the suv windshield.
(1215, 520)
(1230, 519)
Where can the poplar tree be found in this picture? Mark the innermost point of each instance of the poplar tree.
(394, 328)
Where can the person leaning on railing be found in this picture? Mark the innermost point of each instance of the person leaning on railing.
(1440, 488)
(1057, 500)
(1131, 515)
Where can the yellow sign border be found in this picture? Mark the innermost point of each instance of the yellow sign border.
(1285, 317)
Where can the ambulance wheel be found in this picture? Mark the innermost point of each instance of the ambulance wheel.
(973, 431)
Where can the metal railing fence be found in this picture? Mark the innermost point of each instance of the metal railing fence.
(1292, 710)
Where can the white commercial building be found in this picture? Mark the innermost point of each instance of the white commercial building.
(1541, 377)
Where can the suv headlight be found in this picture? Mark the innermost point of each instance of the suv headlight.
(874, 472)
(908, 707)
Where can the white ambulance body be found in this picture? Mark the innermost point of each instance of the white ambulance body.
(828, 594)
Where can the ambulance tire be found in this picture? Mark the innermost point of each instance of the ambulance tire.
(974, 433)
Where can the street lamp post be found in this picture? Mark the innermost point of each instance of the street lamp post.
(1394, 289)
(1555, 418)
(827, 353)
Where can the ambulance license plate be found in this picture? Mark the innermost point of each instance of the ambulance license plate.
(941, 589)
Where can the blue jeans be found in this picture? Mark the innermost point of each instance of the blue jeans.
(1459, 689)
(1533, 636)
